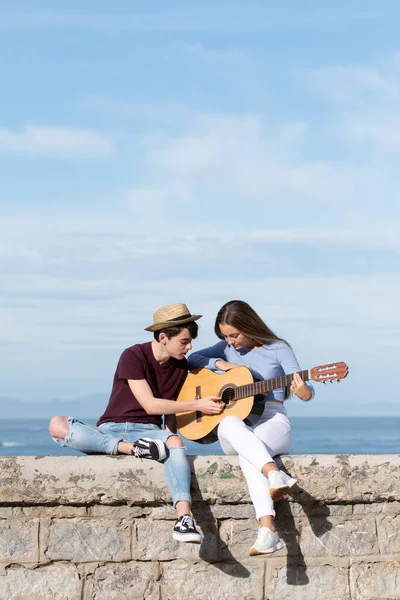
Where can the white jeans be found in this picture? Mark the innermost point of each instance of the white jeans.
(256, 445)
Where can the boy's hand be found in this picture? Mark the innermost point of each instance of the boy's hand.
(210, 405)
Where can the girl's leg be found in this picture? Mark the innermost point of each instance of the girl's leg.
(232, 435)
(238, 438)
(275, 435)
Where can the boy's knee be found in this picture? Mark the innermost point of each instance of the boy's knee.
(174, 441)
(58, 427)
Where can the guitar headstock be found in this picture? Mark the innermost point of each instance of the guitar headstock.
(330, 372)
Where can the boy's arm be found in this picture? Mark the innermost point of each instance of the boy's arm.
(210, 405)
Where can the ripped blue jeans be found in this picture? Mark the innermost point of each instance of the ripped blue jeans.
(104, 439)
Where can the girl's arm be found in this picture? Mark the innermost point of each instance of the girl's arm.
(289, 364)
(207, 357)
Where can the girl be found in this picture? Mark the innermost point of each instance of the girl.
(248, 341)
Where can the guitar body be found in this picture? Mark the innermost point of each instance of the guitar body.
(199, 383)
(237, 390)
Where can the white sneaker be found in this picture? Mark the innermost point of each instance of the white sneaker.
(290, 481)
(267, 542)
(280, 484)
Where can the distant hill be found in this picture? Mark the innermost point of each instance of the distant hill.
(86, 407)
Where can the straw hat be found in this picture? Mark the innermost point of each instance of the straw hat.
(170, 316)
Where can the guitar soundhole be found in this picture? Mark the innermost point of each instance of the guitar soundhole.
(228, 395)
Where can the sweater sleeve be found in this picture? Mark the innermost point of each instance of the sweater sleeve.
(207, 357)
(286, 358)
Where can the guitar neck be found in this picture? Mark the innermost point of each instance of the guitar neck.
(263, 387)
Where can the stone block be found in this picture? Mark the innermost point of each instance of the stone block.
(5, 512)
(317, 582)
(237, 537)
(59, 582)
(219, 479)
(338, 537)
(85, 480)
(18, 541)
(154, 542)
(118, 513)
(53, 512)
(88, 540)
(203, 511)
(225, 511)
(377, 508)
(375, 581)
(313, 509)
(201, 581)
(388, 527)
(130, 581)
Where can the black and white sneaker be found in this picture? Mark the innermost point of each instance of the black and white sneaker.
(148, 448)
(185, 530)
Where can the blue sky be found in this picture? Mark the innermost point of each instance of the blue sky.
(199, 152)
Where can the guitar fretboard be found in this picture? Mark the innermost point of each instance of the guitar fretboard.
(263, 387)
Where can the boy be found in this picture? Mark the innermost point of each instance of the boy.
(148, 378)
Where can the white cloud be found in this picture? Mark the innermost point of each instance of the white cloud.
(56, 141)
(198, 50)
(366, 100)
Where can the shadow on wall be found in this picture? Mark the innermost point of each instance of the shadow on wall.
(317, 514)
(213, 549)
(210, 548)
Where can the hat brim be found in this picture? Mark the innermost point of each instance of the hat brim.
(166, 324)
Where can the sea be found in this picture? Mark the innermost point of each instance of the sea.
(315, 435)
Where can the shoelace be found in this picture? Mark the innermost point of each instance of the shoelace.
(139, 452)
(187, 521)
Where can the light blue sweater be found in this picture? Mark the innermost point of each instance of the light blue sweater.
(267, 362)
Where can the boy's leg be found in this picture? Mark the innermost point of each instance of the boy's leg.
(70, 432)
(178, 475)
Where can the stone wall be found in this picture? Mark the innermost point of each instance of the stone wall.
(99, 528)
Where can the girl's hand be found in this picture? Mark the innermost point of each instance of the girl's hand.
(299, 388)
(224, 365)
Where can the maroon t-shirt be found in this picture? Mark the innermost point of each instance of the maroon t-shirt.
(138, 362)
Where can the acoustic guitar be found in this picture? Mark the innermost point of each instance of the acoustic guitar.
(237, 390)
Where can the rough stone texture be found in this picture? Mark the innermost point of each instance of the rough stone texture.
(372, 581)
(18, 541)
(236, 581)
(337, 537)
(389, 534)
(320, 582)
(131, 581)
(154, 542)
(100, 528)
(88, 540)
(118, 479)
(47, 583)
(377, 509)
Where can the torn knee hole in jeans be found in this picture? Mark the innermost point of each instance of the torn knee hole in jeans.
(177, 441)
